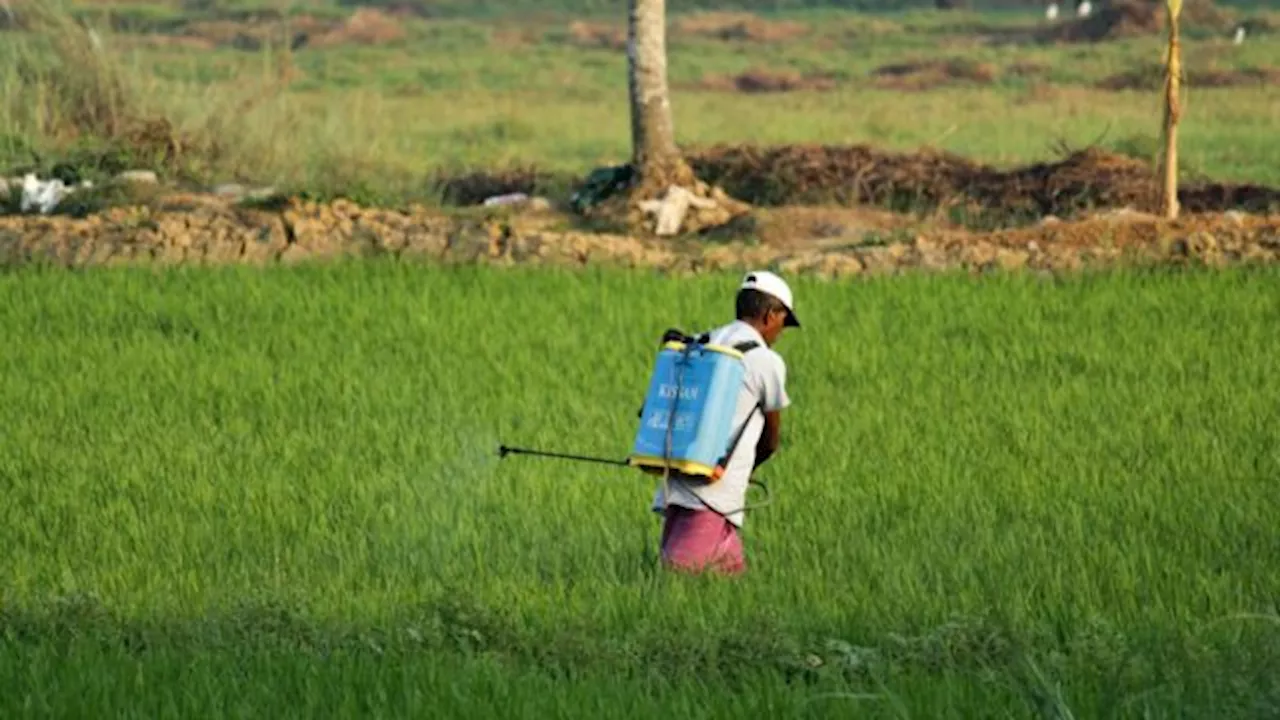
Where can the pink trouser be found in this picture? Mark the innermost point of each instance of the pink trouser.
(695, 540)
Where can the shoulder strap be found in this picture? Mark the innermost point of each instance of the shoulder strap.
(746, 346)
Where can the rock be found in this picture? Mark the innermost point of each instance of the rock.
(796, 264)
(718, 257)
(146, 177)
(262, 193)
(1198, 245)
(930, 254)
(1126, 213)
(978, 254)
(230, 190)
(293, 255)
(1065, 261)
(901, 254)
(1011, 259)
(875, 260)
(518, 198)
(836, 265)
(1256, 254)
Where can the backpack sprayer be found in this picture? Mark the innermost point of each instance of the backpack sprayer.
(686, 422)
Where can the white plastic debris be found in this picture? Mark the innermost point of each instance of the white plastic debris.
(146, 177)
(44, 195)
(672, 208)
(508, 199)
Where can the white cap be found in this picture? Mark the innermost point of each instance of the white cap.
(769, 283)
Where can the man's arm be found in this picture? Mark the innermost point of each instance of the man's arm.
(773, 400)
(770, 437)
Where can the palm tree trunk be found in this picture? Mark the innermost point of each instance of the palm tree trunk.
(655, 156)
(1172, 110)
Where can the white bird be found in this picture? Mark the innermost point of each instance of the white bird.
(1051, 12)
(1084, 8)
(1239, 38)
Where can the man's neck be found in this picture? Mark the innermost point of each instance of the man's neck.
(754, 325)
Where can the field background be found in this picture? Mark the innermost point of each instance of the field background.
(374, 106)
(275, 491)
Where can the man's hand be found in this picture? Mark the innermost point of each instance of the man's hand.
(770, 437)
(673, 335)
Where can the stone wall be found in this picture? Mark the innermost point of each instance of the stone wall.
(196, 230)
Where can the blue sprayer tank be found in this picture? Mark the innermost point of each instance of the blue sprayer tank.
(701, 382)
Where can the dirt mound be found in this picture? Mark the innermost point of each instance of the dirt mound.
(1027, 69)
(474, 187)
(597, 35)
(366, 26)
(727, 26)
(1132, 18)
(1151, 77)
(250, 36)
(738, 26)
(927, 74)
(764, 80)
(158, 41)
(930, 181)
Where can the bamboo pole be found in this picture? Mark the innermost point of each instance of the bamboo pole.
(1172, 110)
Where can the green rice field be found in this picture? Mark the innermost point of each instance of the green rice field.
(276, 492)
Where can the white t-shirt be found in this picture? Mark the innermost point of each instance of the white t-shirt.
(764, 382)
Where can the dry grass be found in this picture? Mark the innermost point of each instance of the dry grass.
(69, 86)
(97, 100)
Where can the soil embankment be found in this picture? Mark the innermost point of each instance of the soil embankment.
(199, 230)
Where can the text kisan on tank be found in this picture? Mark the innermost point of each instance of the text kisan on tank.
(667, 392)
(658, 421)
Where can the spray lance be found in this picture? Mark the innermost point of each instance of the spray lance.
(699, 442)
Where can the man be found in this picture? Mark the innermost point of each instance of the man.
(703, 522)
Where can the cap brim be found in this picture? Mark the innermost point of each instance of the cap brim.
(792, 320)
